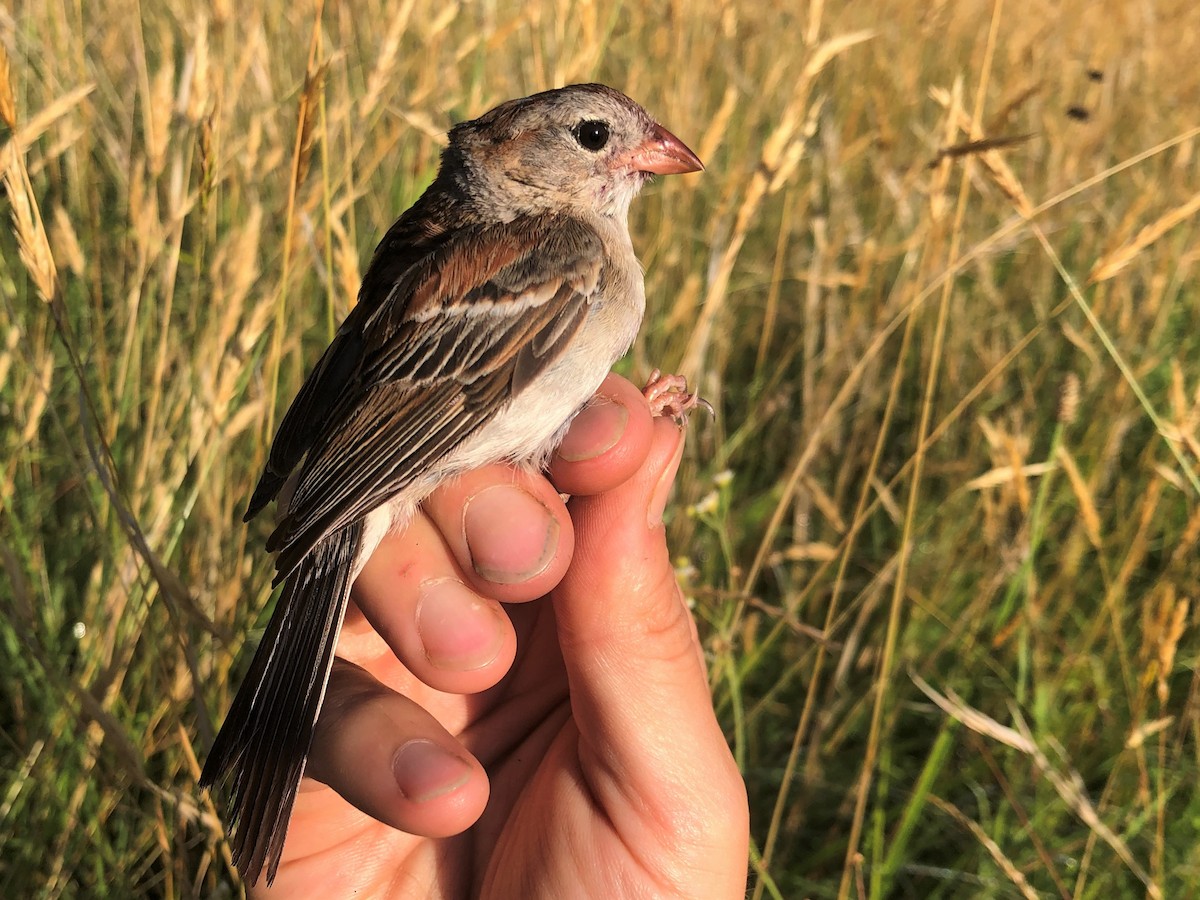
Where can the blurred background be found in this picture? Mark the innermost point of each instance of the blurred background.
(938, 282)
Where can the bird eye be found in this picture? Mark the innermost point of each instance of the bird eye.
(592, 135)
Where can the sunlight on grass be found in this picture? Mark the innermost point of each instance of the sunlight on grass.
(942, 537)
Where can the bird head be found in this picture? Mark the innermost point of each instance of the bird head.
(584, 148)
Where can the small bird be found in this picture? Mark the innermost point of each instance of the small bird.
(491, 312)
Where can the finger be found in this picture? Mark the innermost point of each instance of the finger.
(607, 440)
(390, 759)
(508, 530)
(639, 690)
(432, 623)
(509, 538)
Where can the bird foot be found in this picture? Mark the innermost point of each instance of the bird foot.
(668, 395)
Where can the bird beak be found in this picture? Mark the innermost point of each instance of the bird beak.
(664, 154)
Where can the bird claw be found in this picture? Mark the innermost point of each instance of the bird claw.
(668, 395)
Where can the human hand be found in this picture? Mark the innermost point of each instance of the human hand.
(587, 710)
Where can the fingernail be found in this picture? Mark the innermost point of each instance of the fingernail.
(662, 490)
(459, 631)
(425, 771)
(595, 430)
(510, 535)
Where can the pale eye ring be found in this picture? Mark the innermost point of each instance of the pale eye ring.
(591, 134)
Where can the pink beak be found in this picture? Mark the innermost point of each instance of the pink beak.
(664, 154)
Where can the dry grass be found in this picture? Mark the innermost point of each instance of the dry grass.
(943, 537)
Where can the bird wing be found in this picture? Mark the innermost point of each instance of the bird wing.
(459, 335)
(419, 232)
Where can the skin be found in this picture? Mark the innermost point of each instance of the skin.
(544, 729)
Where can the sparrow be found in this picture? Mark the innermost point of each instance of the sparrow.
(490, 313)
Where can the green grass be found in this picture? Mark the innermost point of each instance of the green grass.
(933, 463)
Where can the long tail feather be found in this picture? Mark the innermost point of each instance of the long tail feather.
(267, 735)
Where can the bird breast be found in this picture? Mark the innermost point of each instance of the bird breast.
(531, 427)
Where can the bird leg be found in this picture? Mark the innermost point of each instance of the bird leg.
(668, 396)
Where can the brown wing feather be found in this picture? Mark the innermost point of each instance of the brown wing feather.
(419, 232)
(465, 331)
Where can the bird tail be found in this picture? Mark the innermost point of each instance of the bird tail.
(267, 735)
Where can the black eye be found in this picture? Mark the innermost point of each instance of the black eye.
(592, 135)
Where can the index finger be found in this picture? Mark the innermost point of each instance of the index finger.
(607, 442)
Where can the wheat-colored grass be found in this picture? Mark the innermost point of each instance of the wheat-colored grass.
(939, 280)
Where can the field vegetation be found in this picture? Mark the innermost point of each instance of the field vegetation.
(939, 281)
